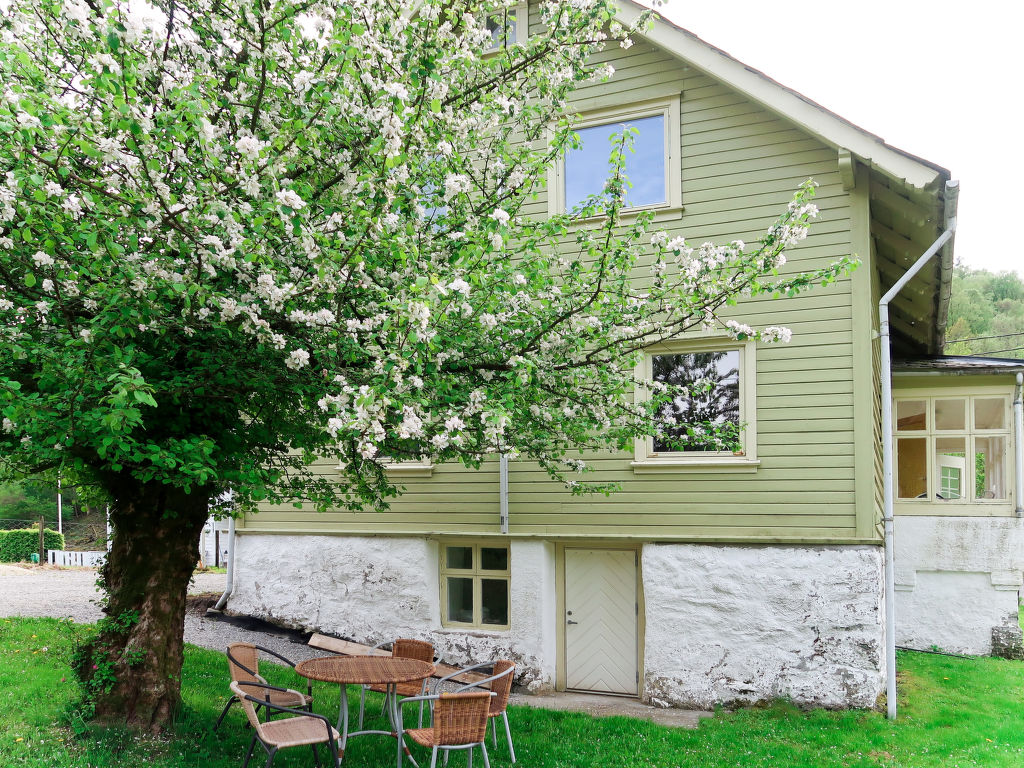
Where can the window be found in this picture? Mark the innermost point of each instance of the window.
(652, 167)
(474, 586)
(952, 448)
(507, 26)
(720, 376)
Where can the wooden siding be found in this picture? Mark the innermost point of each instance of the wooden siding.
(740, 166)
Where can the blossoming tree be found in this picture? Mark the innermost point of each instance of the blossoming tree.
(236, 237)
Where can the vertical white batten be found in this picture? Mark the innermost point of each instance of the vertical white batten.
(231, 566)
(1018, 445)
(952, 190)
(503, 492)
(60, 509)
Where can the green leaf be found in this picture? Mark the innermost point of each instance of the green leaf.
(435, 106)
(30, 279)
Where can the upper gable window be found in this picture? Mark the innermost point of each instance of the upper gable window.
(507, 27)
(652, 167)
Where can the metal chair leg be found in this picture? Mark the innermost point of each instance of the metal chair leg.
(362, 706)
(248, 754)
(270, 757)
(494, 732)
(316, 755)
(469, 758)
(483, 748)
(224, 712)
(433, 757)
(508, 734)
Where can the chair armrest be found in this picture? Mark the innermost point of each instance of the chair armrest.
(462, 671)
(486, 680)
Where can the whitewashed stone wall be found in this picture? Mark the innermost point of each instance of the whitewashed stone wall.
(957, 583)
(741, 624)
(372, 589)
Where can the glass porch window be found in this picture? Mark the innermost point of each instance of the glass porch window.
(952, 449)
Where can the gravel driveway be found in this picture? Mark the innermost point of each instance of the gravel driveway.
(71, 593)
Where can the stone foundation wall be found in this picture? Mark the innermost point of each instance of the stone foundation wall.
(958, 582)
(372, 589)
(741, 624)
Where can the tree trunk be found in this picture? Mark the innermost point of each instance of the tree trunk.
(132, 669)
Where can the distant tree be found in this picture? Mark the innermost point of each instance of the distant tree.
(986, 314)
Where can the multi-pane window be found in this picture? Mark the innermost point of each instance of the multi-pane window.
(952, 448)
(506, 26)
(474, 585)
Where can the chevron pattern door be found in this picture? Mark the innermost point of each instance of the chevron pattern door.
(601, 620)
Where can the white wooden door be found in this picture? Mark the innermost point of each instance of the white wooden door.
(601, 620)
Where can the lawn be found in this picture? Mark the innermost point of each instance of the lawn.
(954, 712)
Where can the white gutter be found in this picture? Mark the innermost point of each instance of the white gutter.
(952, 190)
(1018, 443)
(503, 492)
(231, 566)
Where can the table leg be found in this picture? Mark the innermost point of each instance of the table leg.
(395, 717)
(343, 717)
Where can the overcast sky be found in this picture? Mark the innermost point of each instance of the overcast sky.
(939, 79)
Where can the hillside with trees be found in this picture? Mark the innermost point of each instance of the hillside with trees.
(986, 314)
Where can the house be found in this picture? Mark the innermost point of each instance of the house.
(708, 578)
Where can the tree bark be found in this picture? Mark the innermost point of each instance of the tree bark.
(132, 669)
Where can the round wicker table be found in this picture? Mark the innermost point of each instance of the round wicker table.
(367, 670)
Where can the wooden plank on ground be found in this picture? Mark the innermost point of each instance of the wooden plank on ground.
(348, 648)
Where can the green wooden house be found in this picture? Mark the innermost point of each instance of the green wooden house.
(708, 578)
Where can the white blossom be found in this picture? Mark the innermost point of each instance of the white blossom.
(298, 358)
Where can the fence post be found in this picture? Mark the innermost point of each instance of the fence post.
(42, 539)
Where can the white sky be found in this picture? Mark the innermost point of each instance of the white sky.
(936, 78)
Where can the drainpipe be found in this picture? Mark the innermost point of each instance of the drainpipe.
(1018, 444)
(952, 190)
(231, 566)
(503, 492)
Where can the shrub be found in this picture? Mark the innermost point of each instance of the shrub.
(19, 544)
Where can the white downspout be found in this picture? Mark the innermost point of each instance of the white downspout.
(231, 566)
(952, 189)
(1018, 444)
(503, 492)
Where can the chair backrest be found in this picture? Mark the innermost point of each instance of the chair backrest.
(502, 687)
(461, 718)
(420, 650)
(244, 662)
(241, 690)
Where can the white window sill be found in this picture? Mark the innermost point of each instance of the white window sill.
(409, 469)
(737, 464)
(473, 631)
(661, 213)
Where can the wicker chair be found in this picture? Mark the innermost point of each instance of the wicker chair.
(305, 729)
(403, 648)
(459, 722)
(500, 683)
(243, 661)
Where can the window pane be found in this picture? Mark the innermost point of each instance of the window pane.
(586, 168)
(951, 467)
(989, 467)
(494, 601)
(493, 559)
(911, 468)
(951, 414)
(503, 30)
(713, 381)
(460, 558)
(989, 413)
(460, 600)
(910, 415)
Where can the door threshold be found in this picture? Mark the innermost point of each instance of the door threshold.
(603, 693)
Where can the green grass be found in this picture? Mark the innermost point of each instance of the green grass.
(954, 712)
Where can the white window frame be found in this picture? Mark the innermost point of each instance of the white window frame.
(477, 574)
(667, 106)
(969, 506)
(409, 468)
(646, 459)
(521, 12)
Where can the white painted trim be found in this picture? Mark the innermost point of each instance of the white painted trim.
(758, 87)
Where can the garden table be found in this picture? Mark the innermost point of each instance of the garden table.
(367, 670)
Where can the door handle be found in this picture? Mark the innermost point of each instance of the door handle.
(570, 621)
